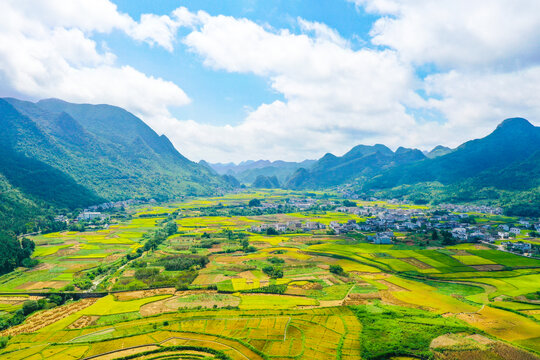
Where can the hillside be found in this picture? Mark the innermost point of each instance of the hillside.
(104, 149)
(53, 153)
(511, 144)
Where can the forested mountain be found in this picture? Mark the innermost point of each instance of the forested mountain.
(104, 149)
(62, 155)
(490, 161)
(360, 163)
(248, 171)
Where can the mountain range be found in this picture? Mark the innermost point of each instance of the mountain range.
(59, 155)
(248, 171)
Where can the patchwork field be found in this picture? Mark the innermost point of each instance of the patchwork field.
(190, 280)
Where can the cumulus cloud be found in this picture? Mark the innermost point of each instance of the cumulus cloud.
(485, 53)
(46, 51)
(459, 33)
(335, 97)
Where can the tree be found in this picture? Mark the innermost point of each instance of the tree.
(348, 203)
(271, 231)
(254, 203)
(448, 239)
(336, 269)
(434, 235)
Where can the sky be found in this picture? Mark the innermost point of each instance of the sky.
(229, 81)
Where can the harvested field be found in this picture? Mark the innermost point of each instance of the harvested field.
(133, 295)
(487, 267)
(39, 285)
(83, 322)
(415, 262)
(48, 317)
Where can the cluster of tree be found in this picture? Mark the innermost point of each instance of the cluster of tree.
(154, 239)
(275, 260)
(15, 253)
(183, 262)
(269, 289)
(349, 203)
(337, 269)
(246, 247)
(153, 278)
(273, 271)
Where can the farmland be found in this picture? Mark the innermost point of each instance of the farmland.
(192, 280)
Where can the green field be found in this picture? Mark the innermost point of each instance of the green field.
(189, 280)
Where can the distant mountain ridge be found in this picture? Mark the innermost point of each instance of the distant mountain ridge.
(361, 162)
(248, 171)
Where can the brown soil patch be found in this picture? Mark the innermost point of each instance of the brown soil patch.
(132, 295)
(113, 257)
(83, 322)
(174, 303)
(43, 266)
(493, 267)
(248, 275)
(417, 263)
(128, 273)
(123, 353)
(17, 299)
(47, 317)
(476, 347)
(480, 247)
(68, 251)
(38, 285)
(361, 299)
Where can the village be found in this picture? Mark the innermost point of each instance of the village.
(383, 223)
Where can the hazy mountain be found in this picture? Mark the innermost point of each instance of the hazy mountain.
(77, 154)
(438, 150)
(513, 142)
(266, 182)
(248, 171)
(359, 163)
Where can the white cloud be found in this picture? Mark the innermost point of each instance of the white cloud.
(334, 96)
(46, 51)
(459, 33)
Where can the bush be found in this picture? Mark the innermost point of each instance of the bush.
(273, 272)
(336, 269)
(146, 273)
(275, 260)
(254, 203)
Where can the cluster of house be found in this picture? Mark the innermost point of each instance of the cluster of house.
(518, 246)
(384, 221)
(117, 204)
(290, 226)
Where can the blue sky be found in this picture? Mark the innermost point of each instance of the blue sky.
(221, 97)
(283, 79)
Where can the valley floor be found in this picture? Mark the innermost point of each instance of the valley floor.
(212, 288)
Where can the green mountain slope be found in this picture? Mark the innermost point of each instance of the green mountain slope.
(512, 142)
(106, 150)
